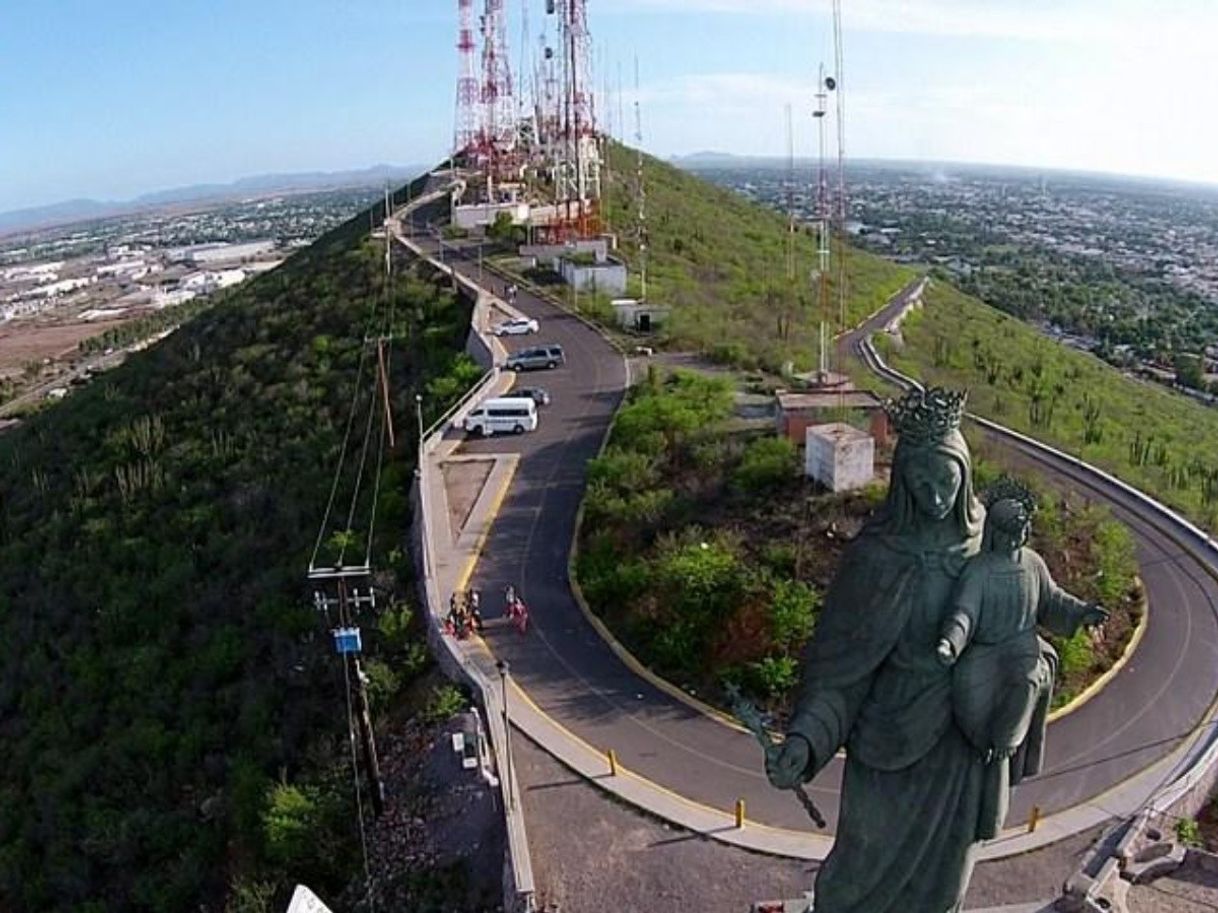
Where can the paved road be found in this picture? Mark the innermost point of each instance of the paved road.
(574, 677)
(1170, 681)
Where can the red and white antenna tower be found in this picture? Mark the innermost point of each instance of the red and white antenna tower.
(468, 127)
(497, 90)
(580, 168)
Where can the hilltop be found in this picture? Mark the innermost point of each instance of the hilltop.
(1157, 440)
(720, 261)
(172, 725)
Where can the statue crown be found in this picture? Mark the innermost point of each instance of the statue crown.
(927, 416)
(1006, 488)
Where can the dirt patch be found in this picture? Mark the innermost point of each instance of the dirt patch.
(23, 343)
(439, 846)
(464, 481)
(619, 859)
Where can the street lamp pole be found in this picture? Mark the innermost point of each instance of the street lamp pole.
(507, 727)
(418, 409)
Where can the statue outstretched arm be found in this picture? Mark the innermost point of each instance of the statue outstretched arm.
(1060, 612)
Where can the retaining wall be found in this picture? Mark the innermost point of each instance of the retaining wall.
(518, 887)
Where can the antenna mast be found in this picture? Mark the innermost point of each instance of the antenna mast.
(642, 190)
(823, 238)
(839, 63)
(468, 121)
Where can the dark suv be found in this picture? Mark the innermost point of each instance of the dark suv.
(536, 358)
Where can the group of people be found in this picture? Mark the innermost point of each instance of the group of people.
(465, 612)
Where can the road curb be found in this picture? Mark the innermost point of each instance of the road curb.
(1102, 682)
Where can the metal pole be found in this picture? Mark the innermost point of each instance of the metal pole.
(418, 409)
(372, 767)
(507, 727)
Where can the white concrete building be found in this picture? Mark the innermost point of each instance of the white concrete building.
(839, 456)
(608, 277)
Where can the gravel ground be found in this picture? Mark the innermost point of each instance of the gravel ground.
(1190, 889)
(592, 853)
(463, 482)
(439, 846)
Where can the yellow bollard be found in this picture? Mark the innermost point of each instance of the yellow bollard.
(739, 813)
(612, 763)
(1033, 818)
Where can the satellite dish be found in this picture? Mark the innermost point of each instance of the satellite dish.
(830, 83)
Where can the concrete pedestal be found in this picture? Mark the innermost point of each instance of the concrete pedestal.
(839, 456)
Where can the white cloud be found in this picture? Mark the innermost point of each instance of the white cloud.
(1127, 22)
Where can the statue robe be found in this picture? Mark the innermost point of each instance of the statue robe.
(913, 788)
(1003, 683)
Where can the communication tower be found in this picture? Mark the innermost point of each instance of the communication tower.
(468, 121)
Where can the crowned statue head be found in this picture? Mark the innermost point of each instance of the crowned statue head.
(1009, 508)
(932, 470)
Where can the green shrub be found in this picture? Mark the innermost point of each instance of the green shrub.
(291, 818)
(767, 463)
(793, 612)
(1188, 832)
(446, 702)
(250, 896)
(623, 470)
(1075, 653)
(775, 675)
(383, 684)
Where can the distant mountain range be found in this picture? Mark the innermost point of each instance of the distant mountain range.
(259, 185)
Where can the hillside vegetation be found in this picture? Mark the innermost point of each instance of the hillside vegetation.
(172, 724)
(1160, 441)
(708, 551)
(720, 261)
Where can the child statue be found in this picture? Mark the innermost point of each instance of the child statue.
(1003, 671)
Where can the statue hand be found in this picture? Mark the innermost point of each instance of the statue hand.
(1095, 616)
(785, 764)
(945, 652)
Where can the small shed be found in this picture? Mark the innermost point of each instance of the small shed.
(640, 316)
(799, 410)
(839, 456)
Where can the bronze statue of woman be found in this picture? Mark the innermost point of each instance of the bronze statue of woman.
(872, 683)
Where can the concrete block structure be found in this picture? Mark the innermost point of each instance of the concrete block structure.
(839, 456)
(639, 316)
(797, 410)
(607, 276)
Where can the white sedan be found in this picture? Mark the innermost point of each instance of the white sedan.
(520, 326)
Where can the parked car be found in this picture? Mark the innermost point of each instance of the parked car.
(536, 358)
(517, 326)
(513, 414)
(536, 394)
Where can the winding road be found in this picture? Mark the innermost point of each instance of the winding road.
(568, 671)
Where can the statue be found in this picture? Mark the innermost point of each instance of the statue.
(916, 786)
(1002, 685)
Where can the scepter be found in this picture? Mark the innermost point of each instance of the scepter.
(748, 715)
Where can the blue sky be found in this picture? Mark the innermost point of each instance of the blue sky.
(113, 99)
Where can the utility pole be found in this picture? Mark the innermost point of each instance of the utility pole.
(339, 589)
(504, 669)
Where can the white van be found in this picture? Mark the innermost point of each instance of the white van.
(492, 415)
